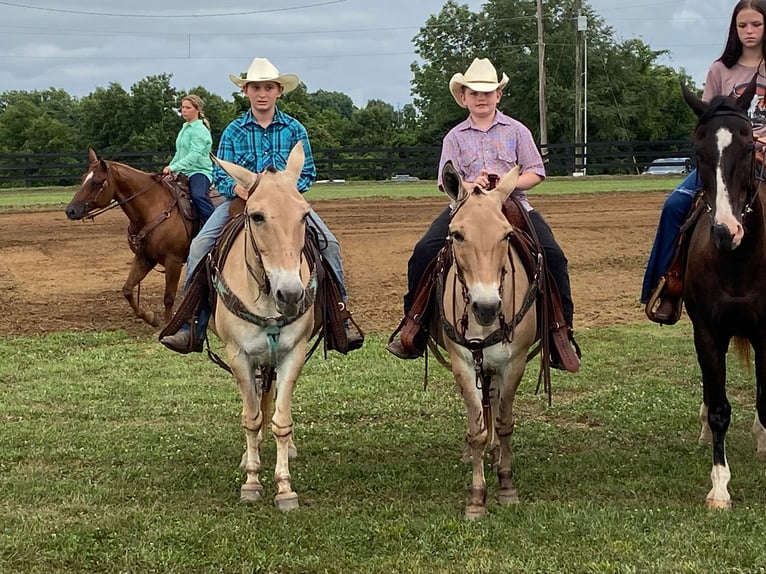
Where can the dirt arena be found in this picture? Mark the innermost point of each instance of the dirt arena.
(59, 275)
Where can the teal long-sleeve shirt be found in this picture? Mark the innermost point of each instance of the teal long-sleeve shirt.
(193, 146)
(248, 144)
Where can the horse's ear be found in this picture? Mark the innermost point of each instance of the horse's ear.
(92, 157)
(241, 175)
(696, 104)
(451, 183)
(507, 183)
(746, 97)
(296, 160)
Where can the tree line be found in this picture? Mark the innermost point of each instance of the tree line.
(631, 96)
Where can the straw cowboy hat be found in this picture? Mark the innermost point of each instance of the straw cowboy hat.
(261, 70)
(480, 76)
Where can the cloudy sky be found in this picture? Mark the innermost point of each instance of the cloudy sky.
(362, 48)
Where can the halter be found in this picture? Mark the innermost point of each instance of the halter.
(756, 169)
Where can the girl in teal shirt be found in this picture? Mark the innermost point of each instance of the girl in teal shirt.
(192, 157)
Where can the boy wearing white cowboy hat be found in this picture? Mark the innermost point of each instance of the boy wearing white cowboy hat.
(487, 142)
(261, 137)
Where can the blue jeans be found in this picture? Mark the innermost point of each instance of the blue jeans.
(199, 185)
(205, 240)
(674, 212)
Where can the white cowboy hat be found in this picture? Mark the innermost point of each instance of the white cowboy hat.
(480, 76)
(261, 70)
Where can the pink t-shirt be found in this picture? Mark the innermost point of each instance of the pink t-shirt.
(723, 81)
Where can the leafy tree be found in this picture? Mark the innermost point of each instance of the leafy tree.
(108, 121)
(155, 116)
(629, 93)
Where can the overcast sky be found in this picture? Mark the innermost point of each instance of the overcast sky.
(362, 48)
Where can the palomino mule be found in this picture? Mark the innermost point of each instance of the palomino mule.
(488, 324)
(726, 270)
(266, 271)
(158, 232)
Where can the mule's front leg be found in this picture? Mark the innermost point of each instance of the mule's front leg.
(282, 428)
(139, 268)
(252, 422)
(476, 439)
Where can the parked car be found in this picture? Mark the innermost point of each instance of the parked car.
(404, 177)
(669, 166)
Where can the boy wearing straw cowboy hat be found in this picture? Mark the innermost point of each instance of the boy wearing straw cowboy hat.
(261, 137)
(487, 142)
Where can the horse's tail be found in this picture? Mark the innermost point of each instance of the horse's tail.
(744, 352)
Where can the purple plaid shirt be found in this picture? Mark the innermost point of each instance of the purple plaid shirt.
(505, 144)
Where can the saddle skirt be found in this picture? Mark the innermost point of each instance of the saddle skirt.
(204, 289)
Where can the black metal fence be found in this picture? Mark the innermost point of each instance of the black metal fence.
(29, 170)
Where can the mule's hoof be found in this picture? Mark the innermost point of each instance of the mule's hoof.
(250, 493)
(286, 501)
(718, 504)
(152, 319)
(475, 512)
(510, 496)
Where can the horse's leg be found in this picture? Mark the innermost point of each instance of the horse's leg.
(282, 427)
(504, 422)
(706, 436)
(173, 268)
(759, 432)
(252, 421)
(139, 268)
(711, 356)
(476, 438)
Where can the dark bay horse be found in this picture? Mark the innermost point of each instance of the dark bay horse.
(725, 289)
(488, 323)
(158, 232)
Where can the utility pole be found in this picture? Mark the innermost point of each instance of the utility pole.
(578, 90)
(542, 104)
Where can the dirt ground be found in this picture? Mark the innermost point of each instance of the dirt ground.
(59, 275)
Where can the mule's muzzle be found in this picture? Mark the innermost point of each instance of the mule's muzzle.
(485, 311)
(289, 298)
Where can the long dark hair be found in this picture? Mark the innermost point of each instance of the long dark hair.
(733, 49)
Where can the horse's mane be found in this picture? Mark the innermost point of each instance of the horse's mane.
(722, 105)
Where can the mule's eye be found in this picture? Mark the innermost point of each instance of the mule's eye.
(457, 236)
(256, 217)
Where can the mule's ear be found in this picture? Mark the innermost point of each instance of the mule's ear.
(746, 97)
(451, 183)
(507, 183)
(241, 175)
(696, 104)
(295, 161)
(92, 157)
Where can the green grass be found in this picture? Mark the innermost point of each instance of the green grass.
(119, 456)
(56, 198)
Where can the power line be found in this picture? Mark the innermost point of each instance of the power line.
(207, 15)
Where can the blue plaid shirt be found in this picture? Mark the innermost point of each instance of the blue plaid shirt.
(249, 145)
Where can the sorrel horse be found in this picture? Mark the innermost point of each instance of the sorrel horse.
(158, 232)
(726, 270)
(264, 314)
(488, 322)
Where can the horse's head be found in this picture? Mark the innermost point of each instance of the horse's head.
(275, 227)
(479, 234)
(95, 191)
(723, 142)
